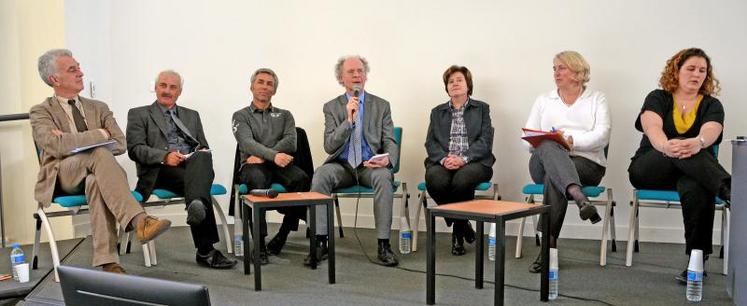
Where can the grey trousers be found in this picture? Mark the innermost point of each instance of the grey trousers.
(109, 198)
(552, 165)
(333, 175)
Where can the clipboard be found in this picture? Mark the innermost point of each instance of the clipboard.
(536, 137)
(95, 145)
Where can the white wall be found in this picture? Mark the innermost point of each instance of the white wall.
(508, 46)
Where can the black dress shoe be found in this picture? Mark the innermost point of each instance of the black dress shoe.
(386, 257)
(215, 259)
(469, 233)
(457, 245)
(587, 211)
(321, 249)
(536, 266)
(196, 212)
(276, 244)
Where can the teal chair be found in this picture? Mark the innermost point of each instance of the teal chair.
(73, 204)
(166, 197)
(484, 190)
(594, 193)
(670, 199)
(360, 191)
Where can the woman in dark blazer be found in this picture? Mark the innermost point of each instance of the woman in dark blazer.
(459, 145)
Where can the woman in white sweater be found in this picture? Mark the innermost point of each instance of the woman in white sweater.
(582, 116)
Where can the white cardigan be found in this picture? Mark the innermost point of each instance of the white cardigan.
(587, 121)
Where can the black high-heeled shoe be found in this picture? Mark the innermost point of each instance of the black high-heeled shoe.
(457, 245)
(469, 233)
(536, 266)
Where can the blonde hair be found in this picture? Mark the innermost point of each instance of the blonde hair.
(577, 64)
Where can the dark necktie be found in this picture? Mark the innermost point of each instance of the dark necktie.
(80, 123)
(180, 125)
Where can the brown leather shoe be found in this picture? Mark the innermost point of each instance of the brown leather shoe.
(150, 228)
(113, 268)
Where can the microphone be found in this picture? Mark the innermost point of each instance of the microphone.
(356, 90)
(268, 193)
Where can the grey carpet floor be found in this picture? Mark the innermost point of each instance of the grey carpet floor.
(287, 282)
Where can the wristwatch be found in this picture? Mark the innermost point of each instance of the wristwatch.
(702, 142)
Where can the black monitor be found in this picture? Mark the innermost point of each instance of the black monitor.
(90, 287)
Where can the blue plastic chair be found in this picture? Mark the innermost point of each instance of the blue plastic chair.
(359, 191)
(74, 204)
(166, 197)
(670, 199)
(485, 190)
(594, 193)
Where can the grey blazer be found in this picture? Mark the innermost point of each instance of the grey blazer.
(378, 128)
(147, 144)
(479, 133)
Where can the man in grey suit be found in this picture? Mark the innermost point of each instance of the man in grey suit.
(65, 121)
(357, 126)
(168, 145)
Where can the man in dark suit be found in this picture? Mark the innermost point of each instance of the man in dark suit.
(66, 121)
(266, 135)
(168, 145)
(357, 126)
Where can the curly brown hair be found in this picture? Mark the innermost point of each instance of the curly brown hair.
(669, 77)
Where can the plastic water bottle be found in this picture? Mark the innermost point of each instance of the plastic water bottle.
(491, 242)
(16, 258)
(553, 274)
(405, 237)
(238, 236)
(694, 291)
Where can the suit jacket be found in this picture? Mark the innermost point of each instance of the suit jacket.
(147, 142)
(378, 128)
(479, 133)
(48, 116)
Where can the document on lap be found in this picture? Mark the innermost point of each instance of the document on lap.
(95, 145)
(536, 137)
(378, 157)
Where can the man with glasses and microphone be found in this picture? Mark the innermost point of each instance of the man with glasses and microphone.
(168, 145)
(357, 127)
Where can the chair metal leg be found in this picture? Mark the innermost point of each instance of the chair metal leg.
(37, 241)
(146, 255)
(631, 232)
(52, 243)
(339, 217)
(226, 232)
(605, 228)
(520, 238)
(152, 250)
(422, 204)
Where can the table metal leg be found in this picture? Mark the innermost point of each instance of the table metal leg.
(479, 255)
(331, 244)
(258, 214)
(500, 256)
(545, 282)
(312, 240)
(245, 226)
(430, 246)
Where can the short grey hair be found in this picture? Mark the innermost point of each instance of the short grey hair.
(171, 72)
(48, 63)
(268, 71)
(341, 60)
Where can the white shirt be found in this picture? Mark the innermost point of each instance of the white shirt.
(587, 120)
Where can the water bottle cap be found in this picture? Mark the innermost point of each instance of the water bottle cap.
(696, 261)
(553, 258)
(15, 245)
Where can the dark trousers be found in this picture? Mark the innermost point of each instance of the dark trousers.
(193, 179)
(261, 176)
(697, 179)
(450, 186)
(552, 165)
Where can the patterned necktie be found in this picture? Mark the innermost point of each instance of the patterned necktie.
(354, 147)
(80, 123)
(180, 125)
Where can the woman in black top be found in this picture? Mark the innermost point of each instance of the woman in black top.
(459, 145)
(681, 123)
